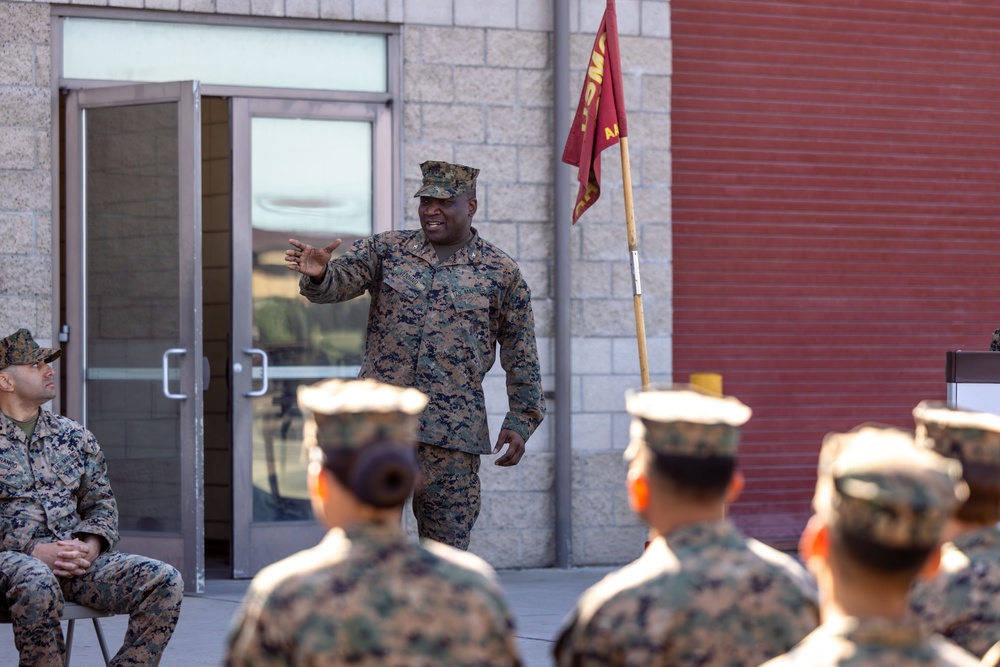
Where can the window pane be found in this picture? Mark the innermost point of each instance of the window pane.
(132, 297)
(311, 180)
(149, 51)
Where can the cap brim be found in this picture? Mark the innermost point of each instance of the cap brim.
(632, 450)
(438, 192)
(46, 354)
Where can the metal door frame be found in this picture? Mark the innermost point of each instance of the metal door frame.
(187, 552)
(256, 545)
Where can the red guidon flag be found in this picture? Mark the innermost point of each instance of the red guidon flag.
(600, 116)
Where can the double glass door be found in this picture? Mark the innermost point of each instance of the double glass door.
(137, 364)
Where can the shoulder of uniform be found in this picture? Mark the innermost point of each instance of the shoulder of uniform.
(623, 588)
(60, 422)
(785, 567)
(772, 556)
(460, 561)
(298, 571)
(397, 235)
(499, 260)
(491, 251)
(395, 239)
(951, 654)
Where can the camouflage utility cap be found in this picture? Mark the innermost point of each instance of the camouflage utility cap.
(875, 482)
(683, 420)
(350, 414)
(443, 180)
(970, 437)
(20, 349)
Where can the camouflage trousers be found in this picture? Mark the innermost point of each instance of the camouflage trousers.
(447, 499)
(149, 591)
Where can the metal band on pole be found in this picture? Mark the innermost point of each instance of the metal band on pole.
(633, 246)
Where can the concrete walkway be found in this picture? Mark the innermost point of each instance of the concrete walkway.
(540, 600)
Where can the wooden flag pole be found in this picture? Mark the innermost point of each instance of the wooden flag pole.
(633, 248)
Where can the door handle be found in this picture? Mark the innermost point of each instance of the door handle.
(166, 373)
(253, 351)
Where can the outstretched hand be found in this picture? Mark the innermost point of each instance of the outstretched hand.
(515, 447)
(308, 260)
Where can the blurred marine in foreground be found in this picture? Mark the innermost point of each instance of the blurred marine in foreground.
(367, 595)
(702, 593)
(880, 505)
(963, 601)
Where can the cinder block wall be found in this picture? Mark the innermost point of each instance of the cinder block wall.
(26, 285)
(477, 89)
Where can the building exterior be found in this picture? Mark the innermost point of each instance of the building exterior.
(814, 187)
(155, 156)
(834, 218)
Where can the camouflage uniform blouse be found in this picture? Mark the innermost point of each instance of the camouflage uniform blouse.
(369, 597)
(873, 642)
(435, 326)
(55, 487)
(963, 601)
(706, 595)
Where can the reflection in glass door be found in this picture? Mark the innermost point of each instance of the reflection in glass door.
(305, 171)
(133, 240)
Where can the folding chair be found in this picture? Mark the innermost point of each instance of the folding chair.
(71, 613)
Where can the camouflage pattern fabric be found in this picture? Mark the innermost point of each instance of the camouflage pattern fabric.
(875, 482)
(352, 414)
(970, 437)
(20, 348)
(149, 591)
(443, 180)
(995, 342)
(367, 596)
(683, 420)
(447, 498)
(963, 601)
(873, 642)
(435, 326)
(704, 595)
(56, 488)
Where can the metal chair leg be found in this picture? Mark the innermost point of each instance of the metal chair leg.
(69, 640)
(100, 640)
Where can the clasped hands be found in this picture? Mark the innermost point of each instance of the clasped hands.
(69, 558)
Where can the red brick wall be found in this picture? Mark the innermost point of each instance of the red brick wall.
(835, 188)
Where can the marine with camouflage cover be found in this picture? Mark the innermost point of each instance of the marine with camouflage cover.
(702, 593)
(880, 505)
(59, 525)
(367, 595)
(442, 300)
(962, 602)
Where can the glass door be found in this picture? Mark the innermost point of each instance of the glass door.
(313, 171)
(134, 364)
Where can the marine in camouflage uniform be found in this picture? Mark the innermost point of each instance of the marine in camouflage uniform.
(702, 593)
(963, 601)
(880, 505)
(367, 595)
(442, 299)
(54, 490)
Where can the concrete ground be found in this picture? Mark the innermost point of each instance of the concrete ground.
(540, 600)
